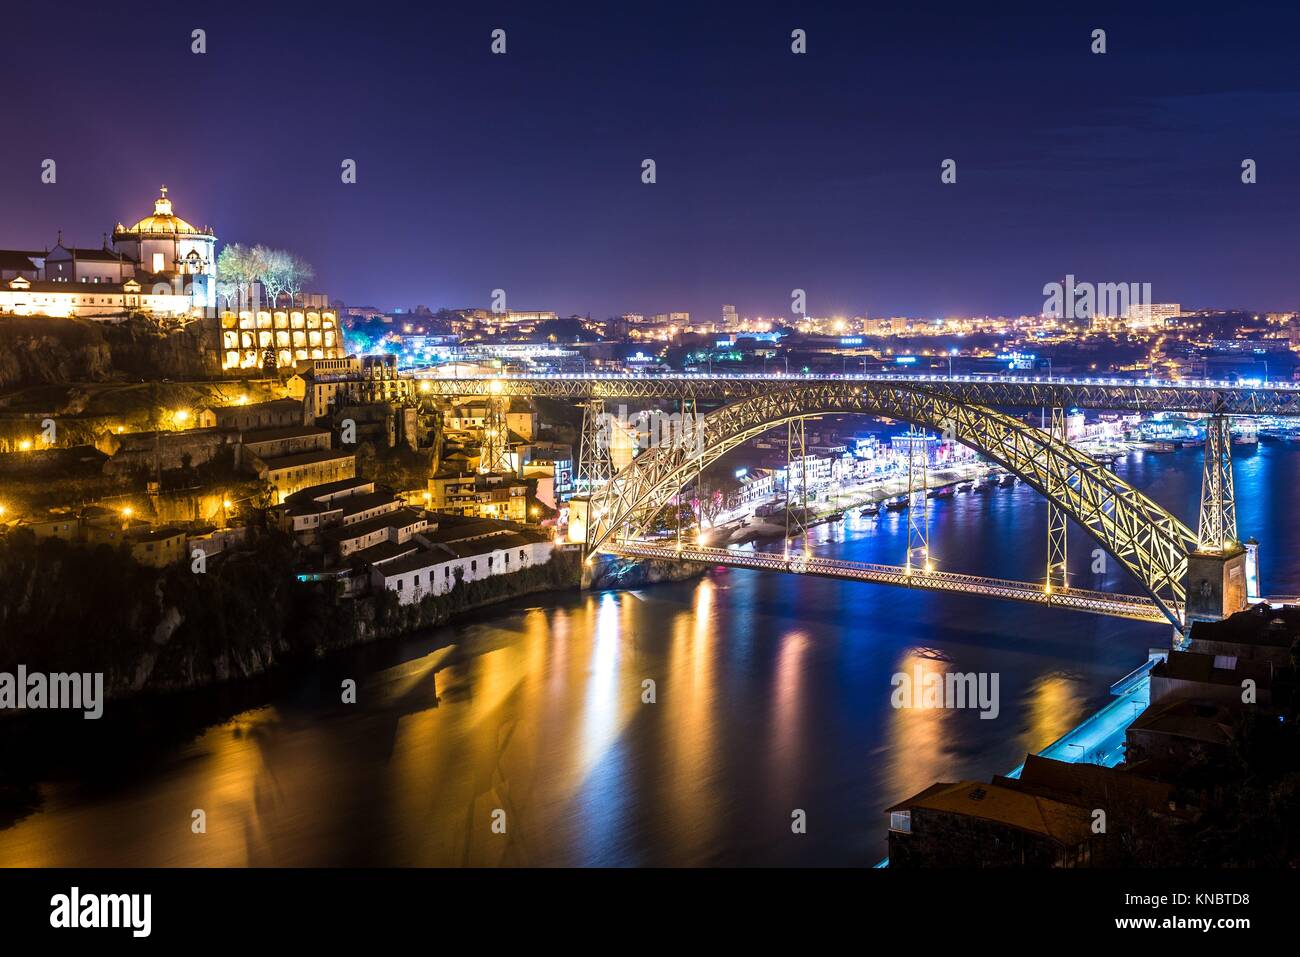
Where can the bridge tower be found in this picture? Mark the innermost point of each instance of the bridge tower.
(493, 455)
(796, 449)
(690, 421)
(918, 501)
(1217, 529)
(1057, 523)
(1216, 572)
(595, 464)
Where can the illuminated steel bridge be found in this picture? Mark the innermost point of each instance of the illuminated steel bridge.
(1133, 395)
(1151, 544)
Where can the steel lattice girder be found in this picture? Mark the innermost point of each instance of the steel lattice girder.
(1077, 599)
(997, 392)
(1147, 540)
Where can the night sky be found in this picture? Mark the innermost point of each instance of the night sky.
(775, 170)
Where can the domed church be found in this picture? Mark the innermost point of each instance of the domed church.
(162, 265)
(164, 245)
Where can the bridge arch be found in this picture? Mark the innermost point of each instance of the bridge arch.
(1142, 536)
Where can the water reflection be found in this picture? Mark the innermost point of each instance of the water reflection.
(771, 693)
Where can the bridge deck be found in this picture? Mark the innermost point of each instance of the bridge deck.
(1025, 391)
(1133, 607)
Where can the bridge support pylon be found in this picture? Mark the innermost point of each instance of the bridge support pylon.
(1057, 521)
(595, 464)
(494, 449)
(918, 501)
(1217, 528)
(796, 449)
(1216, 584)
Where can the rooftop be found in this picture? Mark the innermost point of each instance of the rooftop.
(401, 518)
(1063, 823)
(1087, 785)
(329, 489)
(1213, 669)
(280, 462)
(1258, 625)
(363, 501)
(163, 221)
(1187, 718)
(280, 434)
(385, 553)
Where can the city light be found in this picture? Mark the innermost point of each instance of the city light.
(755, 392)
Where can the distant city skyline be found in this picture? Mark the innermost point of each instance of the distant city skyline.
(774, 170)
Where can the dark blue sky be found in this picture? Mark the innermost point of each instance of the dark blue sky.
(775, 171)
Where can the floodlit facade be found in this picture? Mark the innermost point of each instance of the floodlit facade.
(294, 335)
(21, 296)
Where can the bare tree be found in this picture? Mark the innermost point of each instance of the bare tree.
(236, 272)
(297, 272)
(270, 264)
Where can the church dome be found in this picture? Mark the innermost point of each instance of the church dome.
(163, 221)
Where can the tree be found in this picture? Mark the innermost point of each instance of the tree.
(235, 272)
(227, 289)
(271, 265)
(297, 272)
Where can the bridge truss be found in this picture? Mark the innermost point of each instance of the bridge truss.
(1146, 540)
(1030, 392)
(1133, 607)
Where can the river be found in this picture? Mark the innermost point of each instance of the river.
(772, 695)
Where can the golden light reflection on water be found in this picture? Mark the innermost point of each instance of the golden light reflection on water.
(1056, 704)
(787, 747)
(538, 713)
(688, 694)
(918, 750)
(600, 713)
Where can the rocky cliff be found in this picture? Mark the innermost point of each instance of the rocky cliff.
(35, 350)
(69, 608)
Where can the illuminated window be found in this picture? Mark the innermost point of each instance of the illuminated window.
(158, 262)
(901, 821)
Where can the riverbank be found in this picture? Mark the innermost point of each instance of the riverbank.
(742, 529)
(71, 609)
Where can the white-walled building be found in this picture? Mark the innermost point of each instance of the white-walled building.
(161, 265)
(437, 570)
